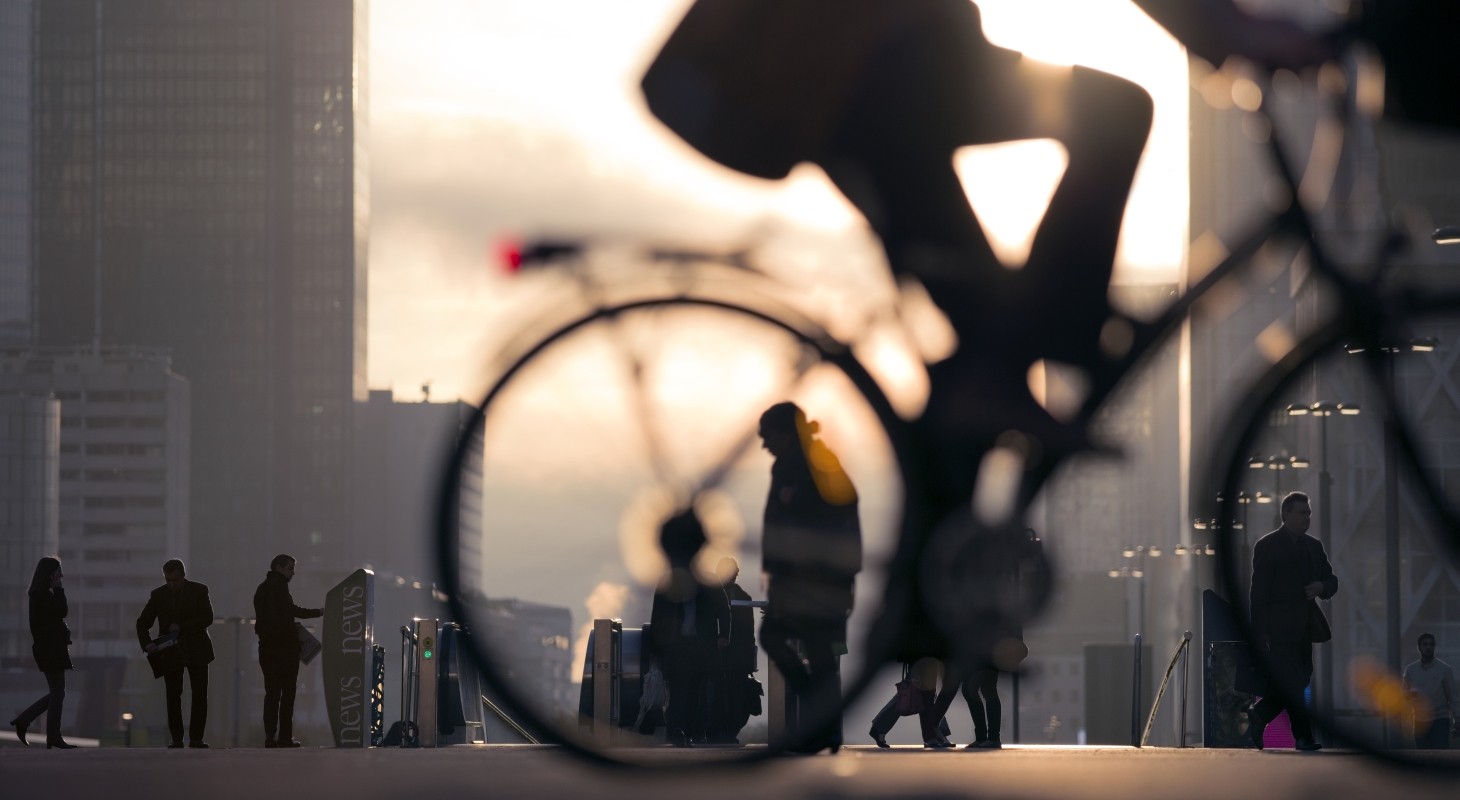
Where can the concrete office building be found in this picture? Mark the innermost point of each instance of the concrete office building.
(123, 480)
(401, 449)
(29, 526)
(15, 171)
(200, 186)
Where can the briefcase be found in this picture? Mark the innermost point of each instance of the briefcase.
(309, 646)
(170, 655)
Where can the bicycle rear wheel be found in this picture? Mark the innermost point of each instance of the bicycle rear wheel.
(589, 439)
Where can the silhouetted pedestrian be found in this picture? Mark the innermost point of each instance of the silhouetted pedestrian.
(689, 625)
(736, 690)
(1290, 573)
(1430, 684)
(274, 613)
(812, 551)
(50, 643)
(181, 607)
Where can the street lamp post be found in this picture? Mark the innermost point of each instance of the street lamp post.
(1393, 650)
(1391, 488)
(1324, 410)
(1276, 465)
(1138, 572)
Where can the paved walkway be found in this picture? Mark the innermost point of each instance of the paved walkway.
(533, 772)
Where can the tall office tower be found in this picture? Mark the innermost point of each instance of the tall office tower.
(200, 169)
(29, 470)
(123, 480)
(401, 450)
(15, 171)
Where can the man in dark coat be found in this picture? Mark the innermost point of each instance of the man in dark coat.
(733, 691)
(274, 615)
(181, 607)
(811, 549)
(1290, 572)
(688, 626)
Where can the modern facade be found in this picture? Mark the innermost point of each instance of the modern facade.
(30, 453)
(401, 451)
(122, 482)
(200, 186)
(15, 171)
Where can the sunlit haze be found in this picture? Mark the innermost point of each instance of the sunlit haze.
(522, 117)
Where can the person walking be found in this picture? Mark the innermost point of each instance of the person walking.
(1290, 573)
(1430, 685)
(181, 607)
(811, 550)
(736, 692)
(50, 643)
(274, 615)
(689, 625)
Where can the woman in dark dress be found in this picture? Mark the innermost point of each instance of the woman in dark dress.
(51, 638)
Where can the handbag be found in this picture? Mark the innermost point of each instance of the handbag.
(909, 695)
(753, 693)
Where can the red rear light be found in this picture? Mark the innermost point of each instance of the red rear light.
(509, 255)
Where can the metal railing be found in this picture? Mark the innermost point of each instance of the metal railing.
(1182, 654)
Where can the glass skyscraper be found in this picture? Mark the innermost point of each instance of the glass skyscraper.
(200, 186)
(15, 170)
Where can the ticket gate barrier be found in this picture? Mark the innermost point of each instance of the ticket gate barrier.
(442, 701)
(612, 683)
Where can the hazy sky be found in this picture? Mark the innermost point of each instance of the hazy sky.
(493, 118)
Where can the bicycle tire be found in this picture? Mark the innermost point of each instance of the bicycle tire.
(804, 332)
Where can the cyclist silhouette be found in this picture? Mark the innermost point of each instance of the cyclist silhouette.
(879, 94)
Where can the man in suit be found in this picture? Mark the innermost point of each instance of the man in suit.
(1290, 572)
(181, 606)
(689, 625)
(733, 692)
(274, 615)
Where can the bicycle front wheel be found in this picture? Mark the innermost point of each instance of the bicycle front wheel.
(1363, 427)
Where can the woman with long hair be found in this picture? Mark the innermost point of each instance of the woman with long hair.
(50, 640)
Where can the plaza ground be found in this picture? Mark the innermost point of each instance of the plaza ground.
(532, 772)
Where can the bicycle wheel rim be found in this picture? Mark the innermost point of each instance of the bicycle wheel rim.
(448, 547)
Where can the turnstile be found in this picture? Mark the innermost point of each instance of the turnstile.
(613, 684)
(442, 701)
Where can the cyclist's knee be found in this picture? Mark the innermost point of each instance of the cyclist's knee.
(1110, 104)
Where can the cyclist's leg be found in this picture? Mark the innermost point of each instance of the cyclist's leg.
(1104, 130)
(930, 92)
